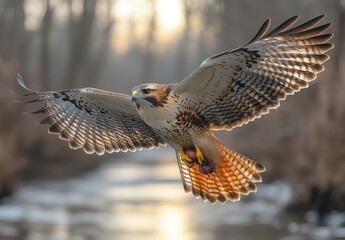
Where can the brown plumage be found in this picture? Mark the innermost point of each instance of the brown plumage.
(227, 90)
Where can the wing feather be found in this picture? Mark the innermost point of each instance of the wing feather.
(95, 120)
(262, 31)
(235, 87)
(305, 26)
(282, 27)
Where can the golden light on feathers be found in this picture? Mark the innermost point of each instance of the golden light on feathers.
(226, 91)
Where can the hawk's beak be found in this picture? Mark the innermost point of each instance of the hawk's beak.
(135, 95)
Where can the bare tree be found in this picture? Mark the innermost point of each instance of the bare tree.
(147, 64)
(96, 62)
(80, 40)
(45, 46)
(188, 8)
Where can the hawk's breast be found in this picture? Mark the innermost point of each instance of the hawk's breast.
(165, 122)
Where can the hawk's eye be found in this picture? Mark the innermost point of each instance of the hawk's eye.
(146, 91)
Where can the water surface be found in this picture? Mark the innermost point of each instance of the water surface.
(143, 198)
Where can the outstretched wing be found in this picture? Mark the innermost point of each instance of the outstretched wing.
(235, 87)
(95, 120)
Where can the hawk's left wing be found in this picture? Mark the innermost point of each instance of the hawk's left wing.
(95, 120)
(237, 86)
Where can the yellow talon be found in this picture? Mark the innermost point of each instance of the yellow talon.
(187, 160)
(199, 156)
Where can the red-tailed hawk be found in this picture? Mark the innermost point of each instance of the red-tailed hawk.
(226, 91)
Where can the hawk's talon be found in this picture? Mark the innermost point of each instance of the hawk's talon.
(186, 159)
(191, 156)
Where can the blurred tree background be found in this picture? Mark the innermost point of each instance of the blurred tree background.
(117, 44)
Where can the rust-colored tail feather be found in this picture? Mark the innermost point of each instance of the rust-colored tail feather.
(234, 175)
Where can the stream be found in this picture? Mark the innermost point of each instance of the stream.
(142, 197)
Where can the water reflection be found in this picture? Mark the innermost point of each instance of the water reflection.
(172, 222)
(131, 200)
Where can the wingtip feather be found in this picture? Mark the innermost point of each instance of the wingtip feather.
(21, 81)
(22, 84)
(282, 27)
(262, 31)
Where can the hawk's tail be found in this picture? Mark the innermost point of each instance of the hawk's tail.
(233, 175)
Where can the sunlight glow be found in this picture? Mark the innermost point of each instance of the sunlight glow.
(169, 13)
(34, 12)
(124, 8)
(172, 223)
(133, 22)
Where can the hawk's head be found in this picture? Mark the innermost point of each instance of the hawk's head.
(150, 95)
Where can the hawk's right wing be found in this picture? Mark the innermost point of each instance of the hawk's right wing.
(95, 120)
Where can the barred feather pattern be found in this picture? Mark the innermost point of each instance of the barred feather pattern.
(233, 176)
(95, 120)
(226, 91)
(235, 87)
